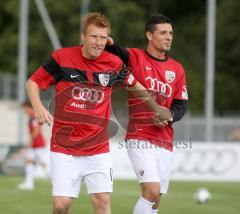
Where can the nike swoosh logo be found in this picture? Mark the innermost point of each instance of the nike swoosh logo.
(74, 76)
(148, 68)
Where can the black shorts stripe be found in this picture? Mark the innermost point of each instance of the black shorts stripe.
(111, 174)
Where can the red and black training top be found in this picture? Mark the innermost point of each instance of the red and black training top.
(83, 98)
(165, 81)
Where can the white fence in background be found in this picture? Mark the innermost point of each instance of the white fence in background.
(199, 161)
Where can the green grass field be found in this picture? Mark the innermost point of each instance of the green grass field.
(225, 198)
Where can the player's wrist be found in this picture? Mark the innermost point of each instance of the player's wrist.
(172, 113)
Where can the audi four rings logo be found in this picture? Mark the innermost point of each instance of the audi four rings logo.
(155, 85)
(204, 162)
(88, 94)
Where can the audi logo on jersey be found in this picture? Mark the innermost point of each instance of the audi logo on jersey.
(157, 86)
(88, 94)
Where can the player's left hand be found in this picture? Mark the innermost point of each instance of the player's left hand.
(110, 41)
(161, 123)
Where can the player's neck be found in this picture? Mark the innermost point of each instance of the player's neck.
(156, 53)
(86, 54)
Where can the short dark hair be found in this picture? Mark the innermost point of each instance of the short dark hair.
(155, 19)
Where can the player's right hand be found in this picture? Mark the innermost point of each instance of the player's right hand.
(42, 115)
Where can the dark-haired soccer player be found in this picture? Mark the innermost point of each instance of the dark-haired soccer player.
(83, 77)
(149, 145)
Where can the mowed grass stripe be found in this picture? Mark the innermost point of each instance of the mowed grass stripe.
(225, 198)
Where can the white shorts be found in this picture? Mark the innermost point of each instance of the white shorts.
(69, 172)
(150, 162)
(38, 155)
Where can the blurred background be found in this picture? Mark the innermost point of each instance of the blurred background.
(206, 42)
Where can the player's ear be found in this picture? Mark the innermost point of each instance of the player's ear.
(149, 35)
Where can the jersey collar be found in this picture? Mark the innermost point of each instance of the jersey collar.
(161, 60)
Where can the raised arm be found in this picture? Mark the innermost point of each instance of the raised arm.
(117, 50)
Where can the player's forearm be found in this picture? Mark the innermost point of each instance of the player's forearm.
(33, 93)
(119, 51)
(139, 91)
(179, 108)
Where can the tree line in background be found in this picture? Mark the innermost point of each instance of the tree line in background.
(127, 19)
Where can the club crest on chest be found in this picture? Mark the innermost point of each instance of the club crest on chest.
(103, 79)
(170, 76)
